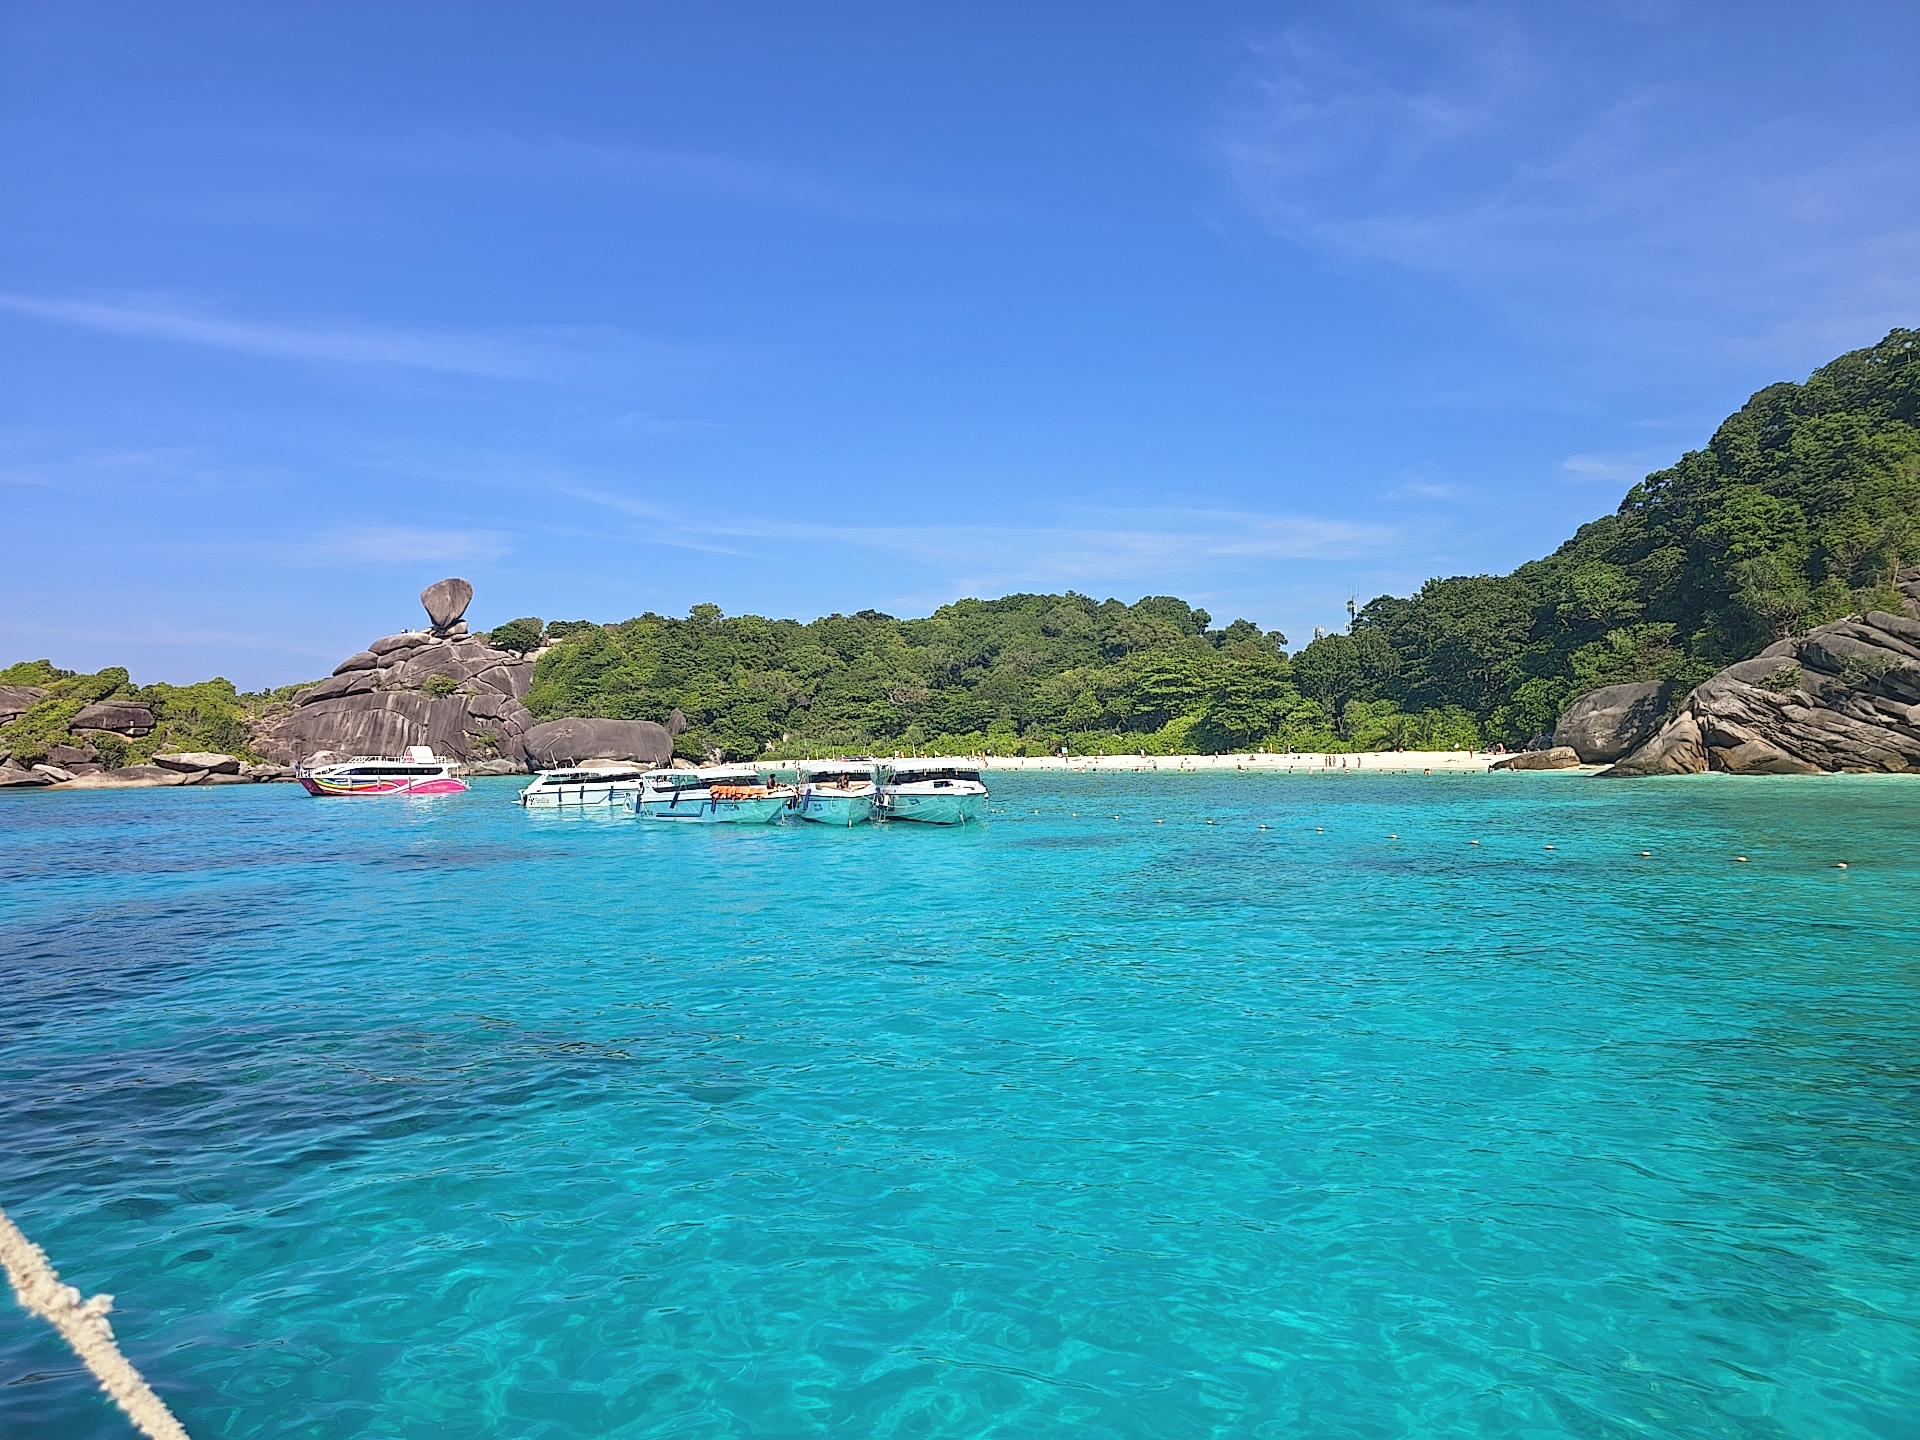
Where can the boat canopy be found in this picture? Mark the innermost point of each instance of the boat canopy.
(915, 771)
(835, 769)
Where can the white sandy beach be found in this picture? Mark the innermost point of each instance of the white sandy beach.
(1372, 762)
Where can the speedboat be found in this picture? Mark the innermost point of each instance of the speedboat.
(713, 795)
(940, 792)
(420, 773)
(588, 786)
(837, 792)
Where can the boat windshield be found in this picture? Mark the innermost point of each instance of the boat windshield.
(391, 770)
(915, 777)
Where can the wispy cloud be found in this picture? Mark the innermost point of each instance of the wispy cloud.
(404, 543)
(566, 159)
(165, 635)
(1573, 166)
(1612, 469)
(1064, 548)
(1418, 487)
(545, 354)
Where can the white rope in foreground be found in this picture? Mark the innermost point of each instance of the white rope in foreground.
(83, 1324)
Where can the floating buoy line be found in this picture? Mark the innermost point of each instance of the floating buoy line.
(1394, 836)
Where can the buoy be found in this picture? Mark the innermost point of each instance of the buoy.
(1646, 854)
(1473, 842)
(1159, 822)
(1263, 827)
(1393, 837)
(1841, 865)
(1318, 830)
(1209, 822)
(1740, 859)
(1549, 847)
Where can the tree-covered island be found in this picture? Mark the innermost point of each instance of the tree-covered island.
(1798, 511)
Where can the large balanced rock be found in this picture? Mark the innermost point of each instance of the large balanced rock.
(122, 717)
(1607, 724)
(446, 689)
(16, 700)
(568, 742)
(1845, 696)
(1560, 757)
(450, 691)
(446, 602)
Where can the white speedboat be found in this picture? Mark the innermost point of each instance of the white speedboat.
(586, 787)
(421, 773)
(715, 795)
(939, 792)
(837, 792)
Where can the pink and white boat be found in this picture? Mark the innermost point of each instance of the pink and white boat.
(420, 773)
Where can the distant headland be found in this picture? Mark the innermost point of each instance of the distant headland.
(1755, 608)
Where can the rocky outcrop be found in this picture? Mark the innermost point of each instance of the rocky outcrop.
(440, 687)
(1845, 696)
(446, 602)
(568, 742)
(13, 777)
(16, 700)
(461, 698)
(493, 767)
(122, 717)
(68, 756)
(204, 761)
(1560, 757)
(1608, 724)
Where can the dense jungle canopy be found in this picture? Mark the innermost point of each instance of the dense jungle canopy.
(1798, 511)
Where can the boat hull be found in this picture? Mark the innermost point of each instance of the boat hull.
(330, 787)
(934, 809)
(829, 809)
(579, 797)
(707, 811)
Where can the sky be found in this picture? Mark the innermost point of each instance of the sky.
(797, 310)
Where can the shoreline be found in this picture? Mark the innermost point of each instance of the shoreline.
(1372, 762)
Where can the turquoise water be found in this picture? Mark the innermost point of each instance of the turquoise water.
(438, 1119)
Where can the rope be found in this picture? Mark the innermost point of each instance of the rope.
(83, 1324)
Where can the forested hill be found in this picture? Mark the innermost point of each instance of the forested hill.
(1798, 511)
(1027, 672)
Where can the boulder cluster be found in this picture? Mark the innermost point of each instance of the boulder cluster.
(192, 767)
(440, 687)
(1843, 697)
(450, 690)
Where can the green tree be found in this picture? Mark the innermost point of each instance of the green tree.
(519, 636)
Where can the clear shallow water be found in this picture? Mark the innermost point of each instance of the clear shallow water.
(437, 1119)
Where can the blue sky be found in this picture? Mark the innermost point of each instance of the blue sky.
(803, 309)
